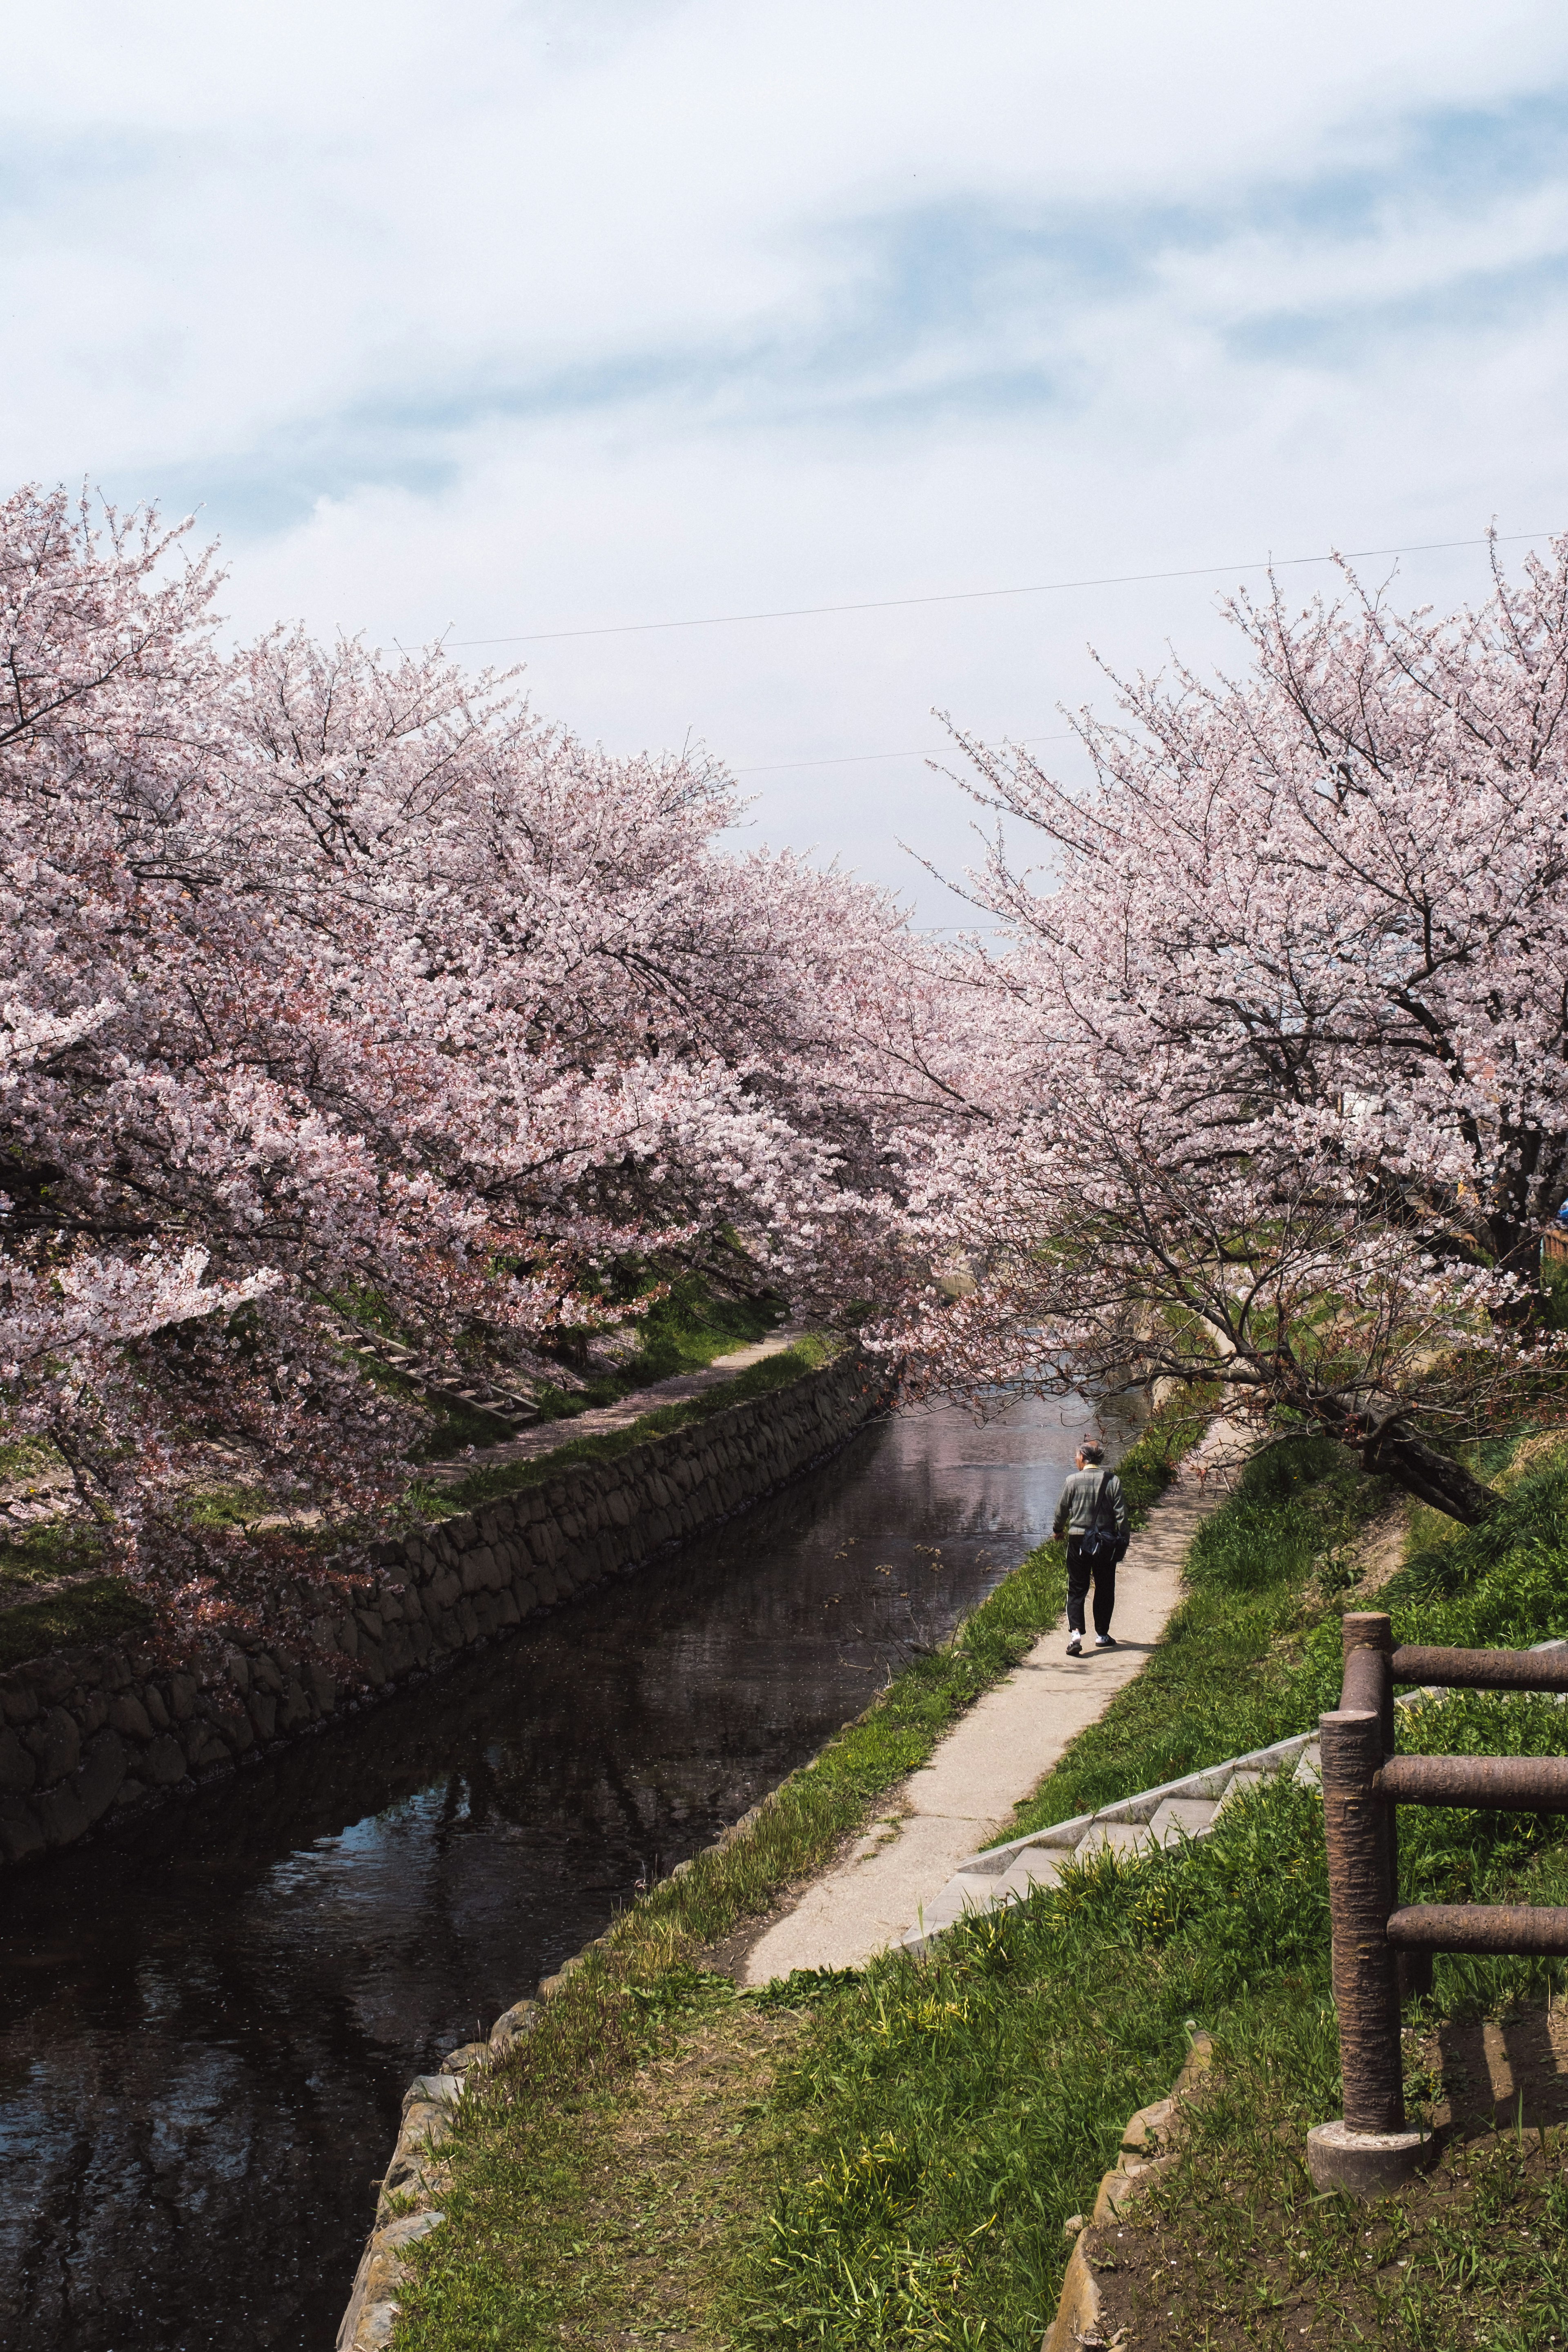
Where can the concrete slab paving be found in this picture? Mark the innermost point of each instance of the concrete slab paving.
(997, 1754)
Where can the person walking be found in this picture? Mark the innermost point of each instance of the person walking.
(1093, 1514)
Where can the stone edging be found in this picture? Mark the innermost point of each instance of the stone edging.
(1155, 1817)
(1143, 2156)
(86, 1734)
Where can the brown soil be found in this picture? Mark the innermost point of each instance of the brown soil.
(688, 2165)
(1233, 2249)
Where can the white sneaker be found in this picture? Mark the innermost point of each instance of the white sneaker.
(1106, 1642)
(1074, 1645)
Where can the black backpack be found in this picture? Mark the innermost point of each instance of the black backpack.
(1096, 1541)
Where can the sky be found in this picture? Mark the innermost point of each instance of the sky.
(541, 327)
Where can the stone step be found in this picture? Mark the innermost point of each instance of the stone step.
(1181, 1817)
(1034, 1868)
(1113, 1837)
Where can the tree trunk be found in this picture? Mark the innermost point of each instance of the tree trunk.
(1394, 1453)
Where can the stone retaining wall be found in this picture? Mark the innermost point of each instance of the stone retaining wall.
(86, 1734)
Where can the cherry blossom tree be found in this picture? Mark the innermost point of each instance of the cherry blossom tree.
(335, 982)
(1276, 1063)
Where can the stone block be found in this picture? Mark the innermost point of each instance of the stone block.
(98, 1777)
(371, 1666)
(398, 1652)
(264, 1714)
(91, 1713)
(506, 1609)
(372, 1623)
(233, 1725)
(519, 2018)
(62, 1816)
(20, 1703)
(264, 1666)
(152, 1700)
(181, 1698)
(238, 1666)
(164, 1761)
(349, 1639)
(467, 1620)
(323, 1690)
(20, 1835)
(130, 1718)
(208, 1752)
(18, 1769)
(446, 1589)
(296, 1709)
(56, 1741)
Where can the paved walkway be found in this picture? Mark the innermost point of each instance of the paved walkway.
(997, 1754)
(543, 1436)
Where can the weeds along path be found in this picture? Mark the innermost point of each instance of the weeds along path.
(997, 1753)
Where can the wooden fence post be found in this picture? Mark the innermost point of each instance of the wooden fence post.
(1369, 2150)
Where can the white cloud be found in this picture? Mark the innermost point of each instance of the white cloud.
(522, 317)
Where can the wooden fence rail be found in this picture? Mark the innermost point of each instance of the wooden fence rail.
(1381, 1951)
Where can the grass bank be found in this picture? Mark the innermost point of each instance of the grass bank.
(610, 2164)
(887, 2159)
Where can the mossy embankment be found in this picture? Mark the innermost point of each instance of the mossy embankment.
(683, 1333)
(889, 2158)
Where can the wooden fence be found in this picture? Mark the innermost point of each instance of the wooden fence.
(1381, 1950)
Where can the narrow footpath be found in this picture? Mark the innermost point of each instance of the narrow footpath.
(998, 1753)
(544, 1436)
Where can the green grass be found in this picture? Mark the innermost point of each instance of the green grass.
(950, 2115)
(99, 1611)
(681, 1333)
(535, 2151)
(913, 2136)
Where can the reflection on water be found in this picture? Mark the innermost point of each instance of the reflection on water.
(206, 2023)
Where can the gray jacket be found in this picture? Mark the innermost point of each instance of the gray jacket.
(1091, 1498)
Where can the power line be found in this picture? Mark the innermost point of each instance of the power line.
(986, 596)
(859, 759)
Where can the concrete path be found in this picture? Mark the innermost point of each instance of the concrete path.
(997, 1754)
(543, 1436)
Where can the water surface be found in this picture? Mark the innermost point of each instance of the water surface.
(207, 2020)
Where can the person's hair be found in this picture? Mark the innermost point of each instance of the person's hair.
(1092, 1449)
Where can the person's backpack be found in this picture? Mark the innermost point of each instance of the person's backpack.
(1098, 1541)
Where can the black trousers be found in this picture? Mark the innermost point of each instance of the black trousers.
(1082, 1574)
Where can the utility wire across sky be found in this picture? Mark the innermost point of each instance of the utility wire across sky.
(986, 596)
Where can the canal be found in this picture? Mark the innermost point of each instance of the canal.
(207, 2020)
